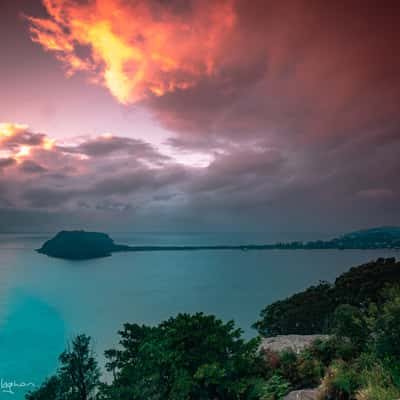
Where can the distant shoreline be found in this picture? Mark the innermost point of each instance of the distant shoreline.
(81, 245)
(243, 248)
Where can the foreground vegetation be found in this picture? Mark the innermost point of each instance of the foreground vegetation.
(198, 357)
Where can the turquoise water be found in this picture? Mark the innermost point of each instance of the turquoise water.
(44, 301)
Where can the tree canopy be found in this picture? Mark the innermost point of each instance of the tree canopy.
(311, 311)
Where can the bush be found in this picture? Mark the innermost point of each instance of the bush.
(387, 327)
(340, 382)
(377, 382)
(288, 368)
(349, 323)
(275, 388)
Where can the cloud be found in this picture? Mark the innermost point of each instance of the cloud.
(107, 145)
(253, 184)
(31, 167)
(136, 49)
(6, 162)
(38, 175)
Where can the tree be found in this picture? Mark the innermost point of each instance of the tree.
(311, 311)
(387, 327)
(302, 313)
(79, 369)
(350, 323)
(48, 390)
(77, 378)
(192, 357)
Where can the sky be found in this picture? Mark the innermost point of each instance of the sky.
(199, 115)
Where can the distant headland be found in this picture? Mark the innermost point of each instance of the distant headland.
(82, 245)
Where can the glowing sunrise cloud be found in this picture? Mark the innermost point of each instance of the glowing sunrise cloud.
(8, 129)
(136, 49)
(48, 143)
(23, 152)
(11, 145)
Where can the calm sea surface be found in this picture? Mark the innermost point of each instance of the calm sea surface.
(45, 301)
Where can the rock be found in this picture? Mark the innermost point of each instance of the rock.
(305, 394)
(295, 343)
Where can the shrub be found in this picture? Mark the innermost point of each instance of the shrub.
(377, 382)
(340, 382)
(275, 388)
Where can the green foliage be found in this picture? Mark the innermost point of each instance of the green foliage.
(186, 357)
(360, 360)
(275, 388)
(387, 327)
(48, 390)
(311, 371)
(364, 284)
(349, 323)
(341, 381)
(288, 368)
(346, 380)
(311, 311)
(302, 313)
(376, 380)
(77, 378)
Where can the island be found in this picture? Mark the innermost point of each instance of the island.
(82, 245)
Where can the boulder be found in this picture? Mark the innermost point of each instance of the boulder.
(304, 394)
(295, 343)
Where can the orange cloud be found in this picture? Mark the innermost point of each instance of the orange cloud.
(138, 48)
(8, 129)
(16, 141)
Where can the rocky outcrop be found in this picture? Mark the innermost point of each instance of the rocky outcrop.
(305, 394)
(295, 343)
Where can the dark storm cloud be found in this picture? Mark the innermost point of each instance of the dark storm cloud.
(46, 197)
(6, 162)
(22, 137)
(31, 167)
(139, 180)
(239, 169)
(302, 70)
(325, 95)
(104, 146)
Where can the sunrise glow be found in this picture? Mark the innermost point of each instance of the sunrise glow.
(132, 52)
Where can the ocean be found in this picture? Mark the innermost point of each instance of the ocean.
(44, 302)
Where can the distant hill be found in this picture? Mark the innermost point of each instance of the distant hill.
(374, 238)
(392, 230)
(381, 233)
